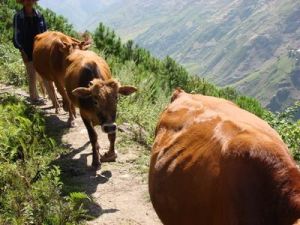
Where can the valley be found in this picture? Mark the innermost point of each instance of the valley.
(235, 43)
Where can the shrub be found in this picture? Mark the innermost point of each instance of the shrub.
(287, 127)
(30, 190)
(11, 66)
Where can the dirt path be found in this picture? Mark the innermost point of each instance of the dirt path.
(119, 191)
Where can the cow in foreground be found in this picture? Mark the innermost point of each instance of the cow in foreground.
(90, 87)
(213, 163)
(49, 58)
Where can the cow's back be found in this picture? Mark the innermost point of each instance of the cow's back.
(210, 164)
(47, 58)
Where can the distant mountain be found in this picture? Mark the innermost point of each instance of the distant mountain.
(276, 83)
(240, 43)
(78, 12)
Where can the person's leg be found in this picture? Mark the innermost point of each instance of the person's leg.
(31, 74)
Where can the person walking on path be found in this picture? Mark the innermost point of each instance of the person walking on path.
(28, 22)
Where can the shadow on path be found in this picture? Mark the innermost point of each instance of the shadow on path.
(76, 175)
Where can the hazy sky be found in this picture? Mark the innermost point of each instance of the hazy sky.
(80, 13)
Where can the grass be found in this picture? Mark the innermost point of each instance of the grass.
(11, 66)
(145, 106)
(31, 189)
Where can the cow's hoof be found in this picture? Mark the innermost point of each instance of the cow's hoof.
(56, 110)
(109, 157)
(96, 165)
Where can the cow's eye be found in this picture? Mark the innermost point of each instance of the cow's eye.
(95, 102)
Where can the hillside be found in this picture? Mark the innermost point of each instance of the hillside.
(277, 81)
(226, 41)
(45, 167)
(82, 14)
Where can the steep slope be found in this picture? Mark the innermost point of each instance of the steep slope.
(80, 12)
(277, 83)
(35, 192)
(228, 41)
(224, 40)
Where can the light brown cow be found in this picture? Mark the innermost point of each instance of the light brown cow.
(90, 87)
(49, 57)
(213, 163)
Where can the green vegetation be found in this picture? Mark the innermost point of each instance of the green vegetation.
(30, 188)
(11, 66)
(229, 42)
(276, 83)
(288, 129)
(156, 79)
(12, 70)
(31, 191)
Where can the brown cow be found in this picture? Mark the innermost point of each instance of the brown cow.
(90, 87)
(213, 163)
(49, 56)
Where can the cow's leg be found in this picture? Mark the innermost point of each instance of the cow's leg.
(94, 141)
(73, 110)
(52, 94)
(111, 155)
(68, 106)
(41, 85)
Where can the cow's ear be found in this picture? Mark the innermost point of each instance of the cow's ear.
(176, 94)
(64, 46)
(84, 45)
(127, 90)
(82, 92)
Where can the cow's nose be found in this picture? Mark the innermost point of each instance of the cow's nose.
(109, 128)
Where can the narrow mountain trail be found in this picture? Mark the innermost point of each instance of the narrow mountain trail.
(118, 190)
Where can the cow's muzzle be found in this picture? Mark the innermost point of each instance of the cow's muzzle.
(109, 128)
